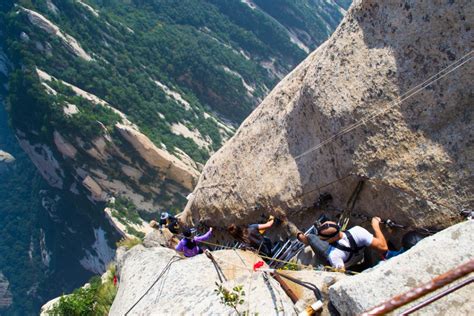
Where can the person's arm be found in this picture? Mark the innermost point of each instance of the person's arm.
(180, 246)
(292, 229)
(378, 242)
(267, 224)
(204, 237)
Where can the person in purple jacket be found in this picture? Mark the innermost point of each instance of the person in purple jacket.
(189, 244)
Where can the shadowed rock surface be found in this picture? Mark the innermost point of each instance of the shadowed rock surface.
(418, 154)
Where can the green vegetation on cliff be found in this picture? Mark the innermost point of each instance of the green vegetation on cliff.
(92, 299)
(203, 65)
(18, 214)
(219, 56)
(183, 72)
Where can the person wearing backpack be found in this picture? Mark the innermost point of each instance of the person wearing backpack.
(189, 244)
(340, 249)
(347, 248)
(167, 220)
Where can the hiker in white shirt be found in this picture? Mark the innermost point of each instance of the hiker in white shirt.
(347, 248)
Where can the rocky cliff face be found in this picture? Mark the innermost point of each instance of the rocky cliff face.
(51, 241)
(123, 99)
(187, 287)
(351, 109)
(137, 158)
(333, 121)
(149, 286)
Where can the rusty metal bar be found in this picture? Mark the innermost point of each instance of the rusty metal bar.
(437, 296)
(285, 287)
(415, 293)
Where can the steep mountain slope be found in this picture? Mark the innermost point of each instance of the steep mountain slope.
(359, 108)
(167, 75)
(121, 99)
(306, 26)
(50, 241)
(386, 100)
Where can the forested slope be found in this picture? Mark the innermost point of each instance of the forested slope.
(92, 79)
(181, 74)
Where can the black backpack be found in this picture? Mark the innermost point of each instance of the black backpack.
(260, 242)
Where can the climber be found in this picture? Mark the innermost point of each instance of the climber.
(167, 220)
(344, 249)
(189, 244)
(252, 236)
(319, 247)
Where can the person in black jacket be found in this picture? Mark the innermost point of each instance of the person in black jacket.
(168, 221)
(252, 236)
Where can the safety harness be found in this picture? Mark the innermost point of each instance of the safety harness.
(353, 249)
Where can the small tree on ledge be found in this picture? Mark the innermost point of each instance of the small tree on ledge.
(232, 298)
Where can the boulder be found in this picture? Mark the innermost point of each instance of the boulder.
(49, 305)
(429, 258)
(160, 238)
(188, 287)
(6, 158)
(337, 118)
(96, 192)
(63, 146)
